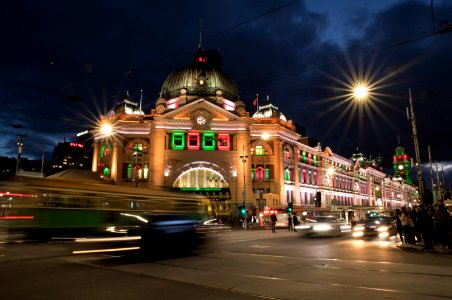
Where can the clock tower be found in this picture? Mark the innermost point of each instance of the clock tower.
(401, 164)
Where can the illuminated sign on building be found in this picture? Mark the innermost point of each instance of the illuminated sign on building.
(77, 145)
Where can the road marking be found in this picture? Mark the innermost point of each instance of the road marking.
(259, 246)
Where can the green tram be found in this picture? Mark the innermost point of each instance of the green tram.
(44, 208)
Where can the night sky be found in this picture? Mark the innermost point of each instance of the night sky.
(65, 63)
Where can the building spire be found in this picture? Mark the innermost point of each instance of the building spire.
(398, 139)
(200, 34)
(141, 99)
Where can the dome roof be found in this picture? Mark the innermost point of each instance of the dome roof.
(201, 78)
(269, 111)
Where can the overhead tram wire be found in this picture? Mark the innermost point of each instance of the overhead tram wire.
(191, 45)
(336, 61)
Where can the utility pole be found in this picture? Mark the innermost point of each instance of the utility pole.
(431, 174)
(439, 193)
(412, 119)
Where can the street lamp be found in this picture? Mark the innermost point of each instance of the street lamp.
(360, 91)
(243, 158)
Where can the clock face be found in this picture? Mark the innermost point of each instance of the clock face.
(400, 167)
(201, 120)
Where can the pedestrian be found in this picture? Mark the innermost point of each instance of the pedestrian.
(442, 226)
(406, 225)
(425, 226)
(274, 219)
(290, 223)
(295, 222)
(399, 227)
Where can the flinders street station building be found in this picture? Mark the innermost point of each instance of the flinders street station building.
(200, 138)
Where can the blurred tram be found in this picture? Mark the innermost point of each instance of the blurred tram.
(44, 208)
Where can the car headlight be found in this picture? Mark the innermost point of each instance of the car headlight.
(358, 228)
(382, 228)
(322, 227)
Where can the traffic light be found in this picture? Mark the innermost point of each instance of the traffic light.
(242, 210)
(290, 207)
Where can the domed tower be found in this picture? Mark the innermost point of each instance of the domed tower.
(203, 78)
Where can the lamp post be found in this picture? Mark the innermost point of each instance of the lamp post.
(412, 119)
(243, 158)
(19, 146)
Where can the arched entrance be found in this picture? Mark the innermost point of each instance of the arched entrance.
(208, 179)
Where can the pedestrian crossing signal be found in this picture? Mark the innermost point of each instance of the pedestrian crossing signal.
(290, 207)
(242, 210)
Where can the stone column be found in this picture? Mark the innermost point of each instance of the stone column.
(157, 157)
(95, 157)
(279, 170)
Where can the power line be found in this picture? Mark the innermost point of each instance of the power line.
(191, 45)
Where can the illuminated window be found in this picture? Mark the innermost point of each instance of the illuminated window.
(287, 174)
(286, 153)
(193, 141)
(228, 105)
(259, 150)
(106, 171)
(208, 141)
(129, 171)
(172, 103)
(178, 141)
(224, 143)
(105, 151)
(260, 172)
(267, 173)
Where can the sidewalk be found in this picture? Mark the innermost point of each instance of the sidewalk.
(420, 248)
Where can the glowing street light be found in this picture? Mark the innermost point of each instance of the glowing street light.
(360, 92)
(106, 129)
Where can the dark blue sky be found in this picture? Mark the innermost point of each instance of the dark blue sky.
(300, 53)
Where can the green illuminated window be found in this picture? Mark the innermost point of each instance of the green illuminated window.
(106, 171)
(259, 150)
(267, 173)
(129, 171)
(178, 141)
(286, 174)
(208, 141)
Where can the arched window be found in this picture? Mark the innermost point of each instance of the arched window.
(200, 178)
(260, 173)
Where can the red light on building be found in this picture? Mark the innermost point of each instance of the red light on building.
(76, 145)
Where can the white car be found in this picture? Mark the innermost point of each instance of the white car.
(320, 226)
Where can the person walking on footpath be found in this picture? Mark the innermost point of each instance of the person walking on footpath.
(274, 219)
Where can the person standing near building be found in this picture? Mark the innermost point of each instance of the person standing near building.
(290, 221)
(405, 219)
(295, 222)
(399, 226)
(274, 219)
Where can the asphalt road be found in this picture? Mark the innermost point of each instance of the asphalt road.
(233, 265)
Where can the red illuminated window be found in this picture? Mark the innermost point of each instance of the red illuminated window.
(224, 143)
(260, 173)
(172, 103)
(193, 141)
(228, 105)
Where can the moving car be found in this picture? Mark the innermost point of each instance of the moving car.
(380, 227)
(320, 226)
(165, 232)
